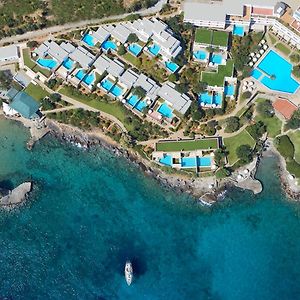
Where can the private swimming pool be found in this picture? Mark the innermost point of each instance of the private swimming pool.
(238, 30)
(89, 40)
(47, 63)
(277, 73)
(89, 79)
(171, 66)
(165, 111)
(135, 49)
(216, 59)
(133, 100)
(193, 162)
(116, 90)
(68, 63)
(154, 49)
(106, 84)
(80, 74)
(229, 90)
(167, 160)
(141, 105)
(200, 54)
(109, 45)
(210, 98)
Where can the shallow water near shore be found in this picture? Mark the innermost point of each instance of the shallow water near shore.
(90, 211)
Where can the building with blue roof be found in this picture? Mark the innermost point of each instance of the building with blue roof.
(25, 105)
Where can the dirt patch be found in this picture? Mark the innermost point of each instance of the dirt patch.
(128, 3)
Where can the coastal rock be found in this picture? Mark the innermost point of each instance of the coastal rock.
(16, 196)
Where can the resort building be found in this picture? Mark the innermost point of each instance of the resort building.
(196, 155)
(92, 38)
(23, 104)
(22, 78)
(51, 49)
(129, 78)
(148, 85)
(219, 14)
(9, 54)
(82, 57)
(121, 33)
(179, 102)
(284, 107)
(112, 66)
(163, 41)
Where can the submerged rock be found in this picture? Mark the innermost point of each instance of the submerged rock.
(15, 196)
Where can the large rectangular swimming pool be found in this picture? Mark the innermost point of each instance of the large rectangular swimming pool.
(277, 73)
(193, 162)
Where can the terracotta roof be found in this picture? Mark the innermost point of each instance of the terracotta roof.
(262, 11)
(285, 107)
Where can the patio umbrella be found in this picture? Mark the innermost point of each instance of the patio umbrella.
(261, 51)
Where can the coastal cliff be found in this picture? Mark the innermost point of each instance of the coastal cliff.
(11, 198)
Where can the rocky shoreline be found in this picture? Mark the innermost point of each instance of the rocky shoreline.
(207, 190)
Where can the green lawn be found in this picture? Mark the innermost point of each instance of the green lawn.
(132, 59)
(284, 49)
(272, 38)
(295, 138)
(203, 144)
(36, 92)
(273, 124)
(112, 108)
(232, 143)
(220, 38)
(32, 65)
(203, 36)
(217, 78)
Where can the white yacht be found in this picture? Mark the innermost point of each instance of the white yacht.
(128, 272)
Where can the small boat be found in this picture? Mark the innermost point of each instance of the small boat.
(128, 272)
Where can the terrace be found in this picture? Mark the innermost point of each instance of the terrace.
(217, 78)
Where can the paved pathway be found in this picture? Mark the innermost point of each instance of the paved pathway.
(59, 109)
(31, 35)
(78, 104)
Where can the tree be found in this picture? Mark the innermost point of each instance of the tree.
(121, 50)
(173, 77)
(219, 157)
(232, 124)
(244, 153)
(296, 71)
(257, 130)
(246, 95)
(212, 123)
(55, 97)
(210, 113)
(139, 91)
(295, 58)
(294, 122)
(132, 38)
(32, 44)
(199, 87)
(181, 88)
(265, 109)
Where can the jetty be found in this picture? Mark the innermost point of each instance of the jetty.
(15, 196)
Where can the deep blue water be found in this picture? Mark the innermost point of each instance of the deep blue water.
(90, 211)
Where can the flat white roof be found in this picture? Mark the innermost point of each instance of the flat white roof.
(217, 10)
(8, 52)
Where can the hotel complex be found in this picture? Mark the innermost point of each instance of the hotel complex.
(107, 61)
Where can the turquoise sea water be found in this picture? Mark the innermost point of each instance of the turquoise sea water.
(90, 211)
